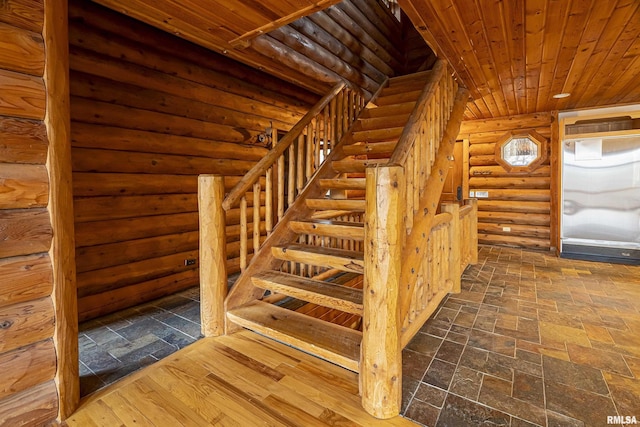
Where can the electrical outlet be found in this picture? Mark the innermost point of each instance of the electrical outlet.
(190, 261)
(507, 229)
(482, 194)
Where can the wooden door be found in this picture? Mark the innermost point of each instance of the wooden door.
(452, 190)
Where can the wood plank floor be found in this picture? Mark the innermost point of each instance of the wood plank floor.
(238, 380)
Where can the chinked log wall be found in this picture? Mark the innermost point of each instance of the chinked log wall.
(150, 112)
(36, 246)
(517, 201)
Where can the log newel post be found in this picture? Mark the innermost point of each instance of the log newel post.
(213, 254)
(474, 230)
(455, 245)
(381, 351)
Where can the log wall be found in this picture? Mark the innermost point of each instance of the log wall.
(150, 112)
(27, 315)
(517, 211)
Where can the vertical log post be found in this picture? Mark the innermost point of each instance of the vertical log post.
(62, 250)
(473, 237)
(381, 351)
(455, 245)
(213, 254)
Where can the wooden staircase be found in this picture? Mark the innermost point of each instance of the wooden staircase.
(358, 237)
(372, 140)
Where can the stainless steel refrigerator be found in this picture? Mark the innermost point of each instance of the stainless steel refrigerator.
(601, 198)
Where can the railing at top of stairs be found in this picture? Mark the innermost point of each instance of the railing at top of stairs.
(402, 199)
(233, 227)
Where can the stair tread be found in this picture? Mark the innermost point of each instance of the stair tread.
(340, 259)
(356, 165)
(343, 183)
(325, 227)
(407, 78)
(326, 294)
(397, 98)
(354, 205)
(335, 343)
(370, 148)
(386, 134)
(383, 122)
(388, 110)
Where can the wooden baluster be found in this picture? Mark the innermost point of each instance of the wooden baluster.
(326, 137)
(281, 181)
(333, 105)
(268, 203)
(309, 153)
(291, 194)
(345, 111)
(426, 163)
(419, 167)
(338, 115)
(243, 233)
(410, 190)
(213, 254)
(317, 143)
(256, 217)
(300, 164)
(417, 178)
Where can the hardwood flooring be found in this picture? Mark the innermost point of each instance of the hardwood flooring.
(238, 380)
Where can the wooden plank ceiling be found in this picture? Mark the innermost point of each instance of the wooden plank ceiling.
(513, 55)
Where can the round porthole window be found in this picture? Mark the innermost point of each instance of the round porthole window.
(522, 151)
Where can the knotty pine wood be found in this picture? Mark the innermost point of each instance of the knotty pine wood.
(27, 14)
(25, 278)
(35, 406)
(22, 141)
(23, 52)
(212, 255)
(126, 296)
(21, 95)
(381, 353)
(27, 367)
(240, 379)
(150, 112)
(519, 202)
(515, 56)
(24, 232)
(25, 323)
(29, 93)
(23, 186)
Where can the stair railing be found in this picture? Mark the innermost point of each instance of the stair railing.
(233, 228)
(407, 247)
(273, 184)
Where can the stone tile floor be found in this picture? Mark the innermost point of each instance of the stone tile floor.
(113, 346)
(532, 340)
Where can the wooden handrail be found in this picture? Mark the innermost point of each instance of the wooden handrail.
(266, 162)
(465, 210)
(411, 129)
